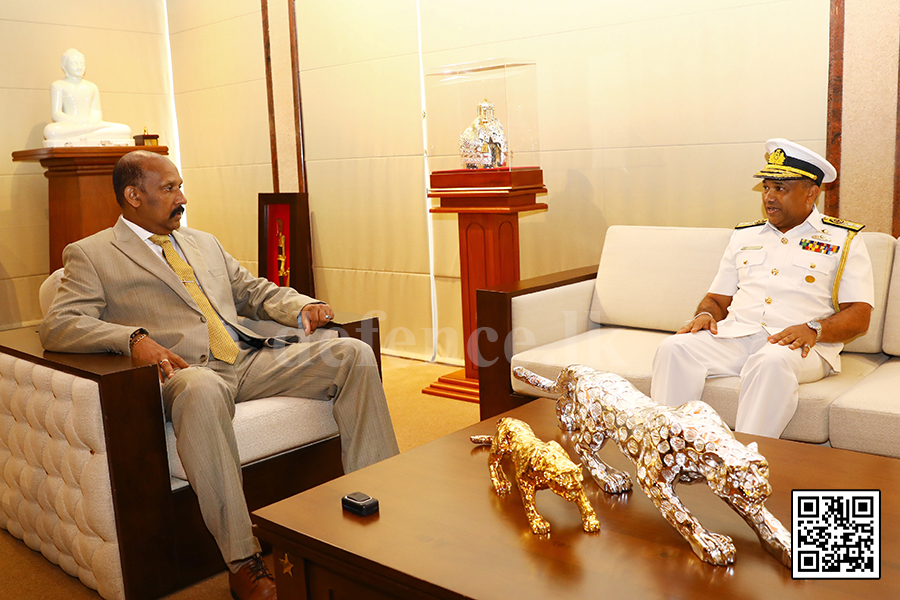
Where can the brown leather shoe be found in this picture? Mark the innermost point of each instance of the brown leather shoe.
(252, 581)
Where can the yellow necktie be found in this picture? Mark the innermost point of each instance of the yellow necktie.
(220, 343)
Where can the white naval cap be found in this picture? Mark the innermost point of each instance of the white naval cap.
(788, 160)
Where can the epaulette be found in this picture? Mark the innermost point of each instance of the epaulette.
(750, 224)
(842, 223)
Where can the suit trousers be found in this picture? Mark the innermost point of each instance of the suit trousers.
(200, 401)
(770, 376)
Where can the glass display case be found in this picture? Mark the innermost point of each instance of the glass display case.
(459, 96)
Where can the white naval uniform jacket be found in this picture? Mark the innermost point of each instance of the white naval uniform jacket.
(781, 279)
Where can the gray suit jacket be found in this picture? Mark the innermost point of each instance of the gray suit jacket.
(114, 284)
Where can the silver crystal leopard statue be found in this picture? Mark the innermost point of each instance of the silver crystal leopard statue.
(668, 446)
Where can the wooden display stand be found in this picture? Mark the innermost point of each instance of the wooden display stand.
(488, 202)
(82, 201)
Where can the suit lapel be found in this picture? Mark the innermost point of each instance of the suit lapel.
(132, 246)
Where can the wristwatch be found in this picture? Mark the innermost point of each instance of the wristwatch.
(817, 327)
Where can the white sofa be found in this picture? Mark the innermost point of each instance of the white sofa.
(648, 283)
(90, 478)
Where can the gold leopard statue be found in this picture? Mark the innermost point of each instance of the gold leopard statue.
(539, 465)
(667, 445)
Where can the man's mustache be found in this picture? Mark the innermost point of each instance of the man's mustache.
(177, 212)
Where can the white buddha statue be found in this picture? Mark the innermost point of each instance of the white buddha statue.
(75, 108)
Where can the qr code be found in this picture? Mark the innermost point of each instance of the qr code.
(836, 534)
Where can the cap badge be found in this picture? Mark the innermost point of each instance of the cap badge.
(777, 157)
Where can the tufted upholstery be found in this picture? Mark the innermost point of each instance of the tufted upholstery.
(55, 489)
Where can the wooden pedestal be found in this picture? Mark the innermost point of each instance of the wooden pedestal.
(82, 201)
(488, 202)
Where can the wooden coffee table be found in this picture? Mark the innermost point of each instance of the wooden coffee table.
(442, 532)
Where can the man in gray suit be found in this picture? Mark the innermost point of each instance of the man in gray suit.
(171, 296)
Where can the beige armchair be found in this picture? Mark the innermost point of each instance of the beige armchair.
(91, 479)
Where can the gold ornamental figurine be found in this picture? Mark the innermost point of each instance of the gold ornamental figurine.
(284, 274)
(483, 144)
(667, 445)
(539, 465)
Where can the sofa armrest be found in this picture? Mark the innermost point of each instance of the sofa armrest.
(132, 416)
(496, 326)
(366, 330)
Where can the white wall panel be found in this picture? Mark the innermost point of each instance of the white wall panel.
(450, 341)
(212, 133)
(340, 32)
(447, 25)
(142, 16)
(363, 109)
(369, 214)
(193, 14)
(400, 300)
(206, 61)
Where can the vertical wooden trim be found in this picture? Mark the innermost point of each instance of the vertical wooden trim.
(835, 105)
(298, 103)
(895, 215)
(267, 51)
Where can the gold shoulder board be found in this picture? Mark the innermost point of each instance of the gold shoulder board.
(842, 223)
(750, 224)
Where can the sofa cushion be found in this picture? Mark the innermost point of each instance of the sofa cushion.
(629, 353)
(654, 277)
(881, 248)
(891, 342)
(625, 352)
(867, 417)
(267, 427)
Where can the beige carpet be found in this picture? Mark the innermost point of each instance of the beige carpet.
(418, 419)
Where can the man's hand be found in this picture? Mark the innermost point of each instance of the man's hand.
(796, 336)
(148, 352)
(699, 323)
(313, 316)
(851, 321)
(712, 308)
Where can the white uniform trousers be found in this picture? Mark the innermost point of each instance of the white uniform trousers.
(770, 376)
(200, 401)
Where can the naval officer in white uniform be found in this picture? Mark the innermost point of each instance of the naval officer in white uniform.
(790, 290)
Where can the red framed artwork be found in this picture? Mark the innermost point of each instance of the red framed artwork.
(285, 244)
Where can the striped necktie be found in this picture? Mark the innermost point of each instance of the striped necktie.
(220, 343)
